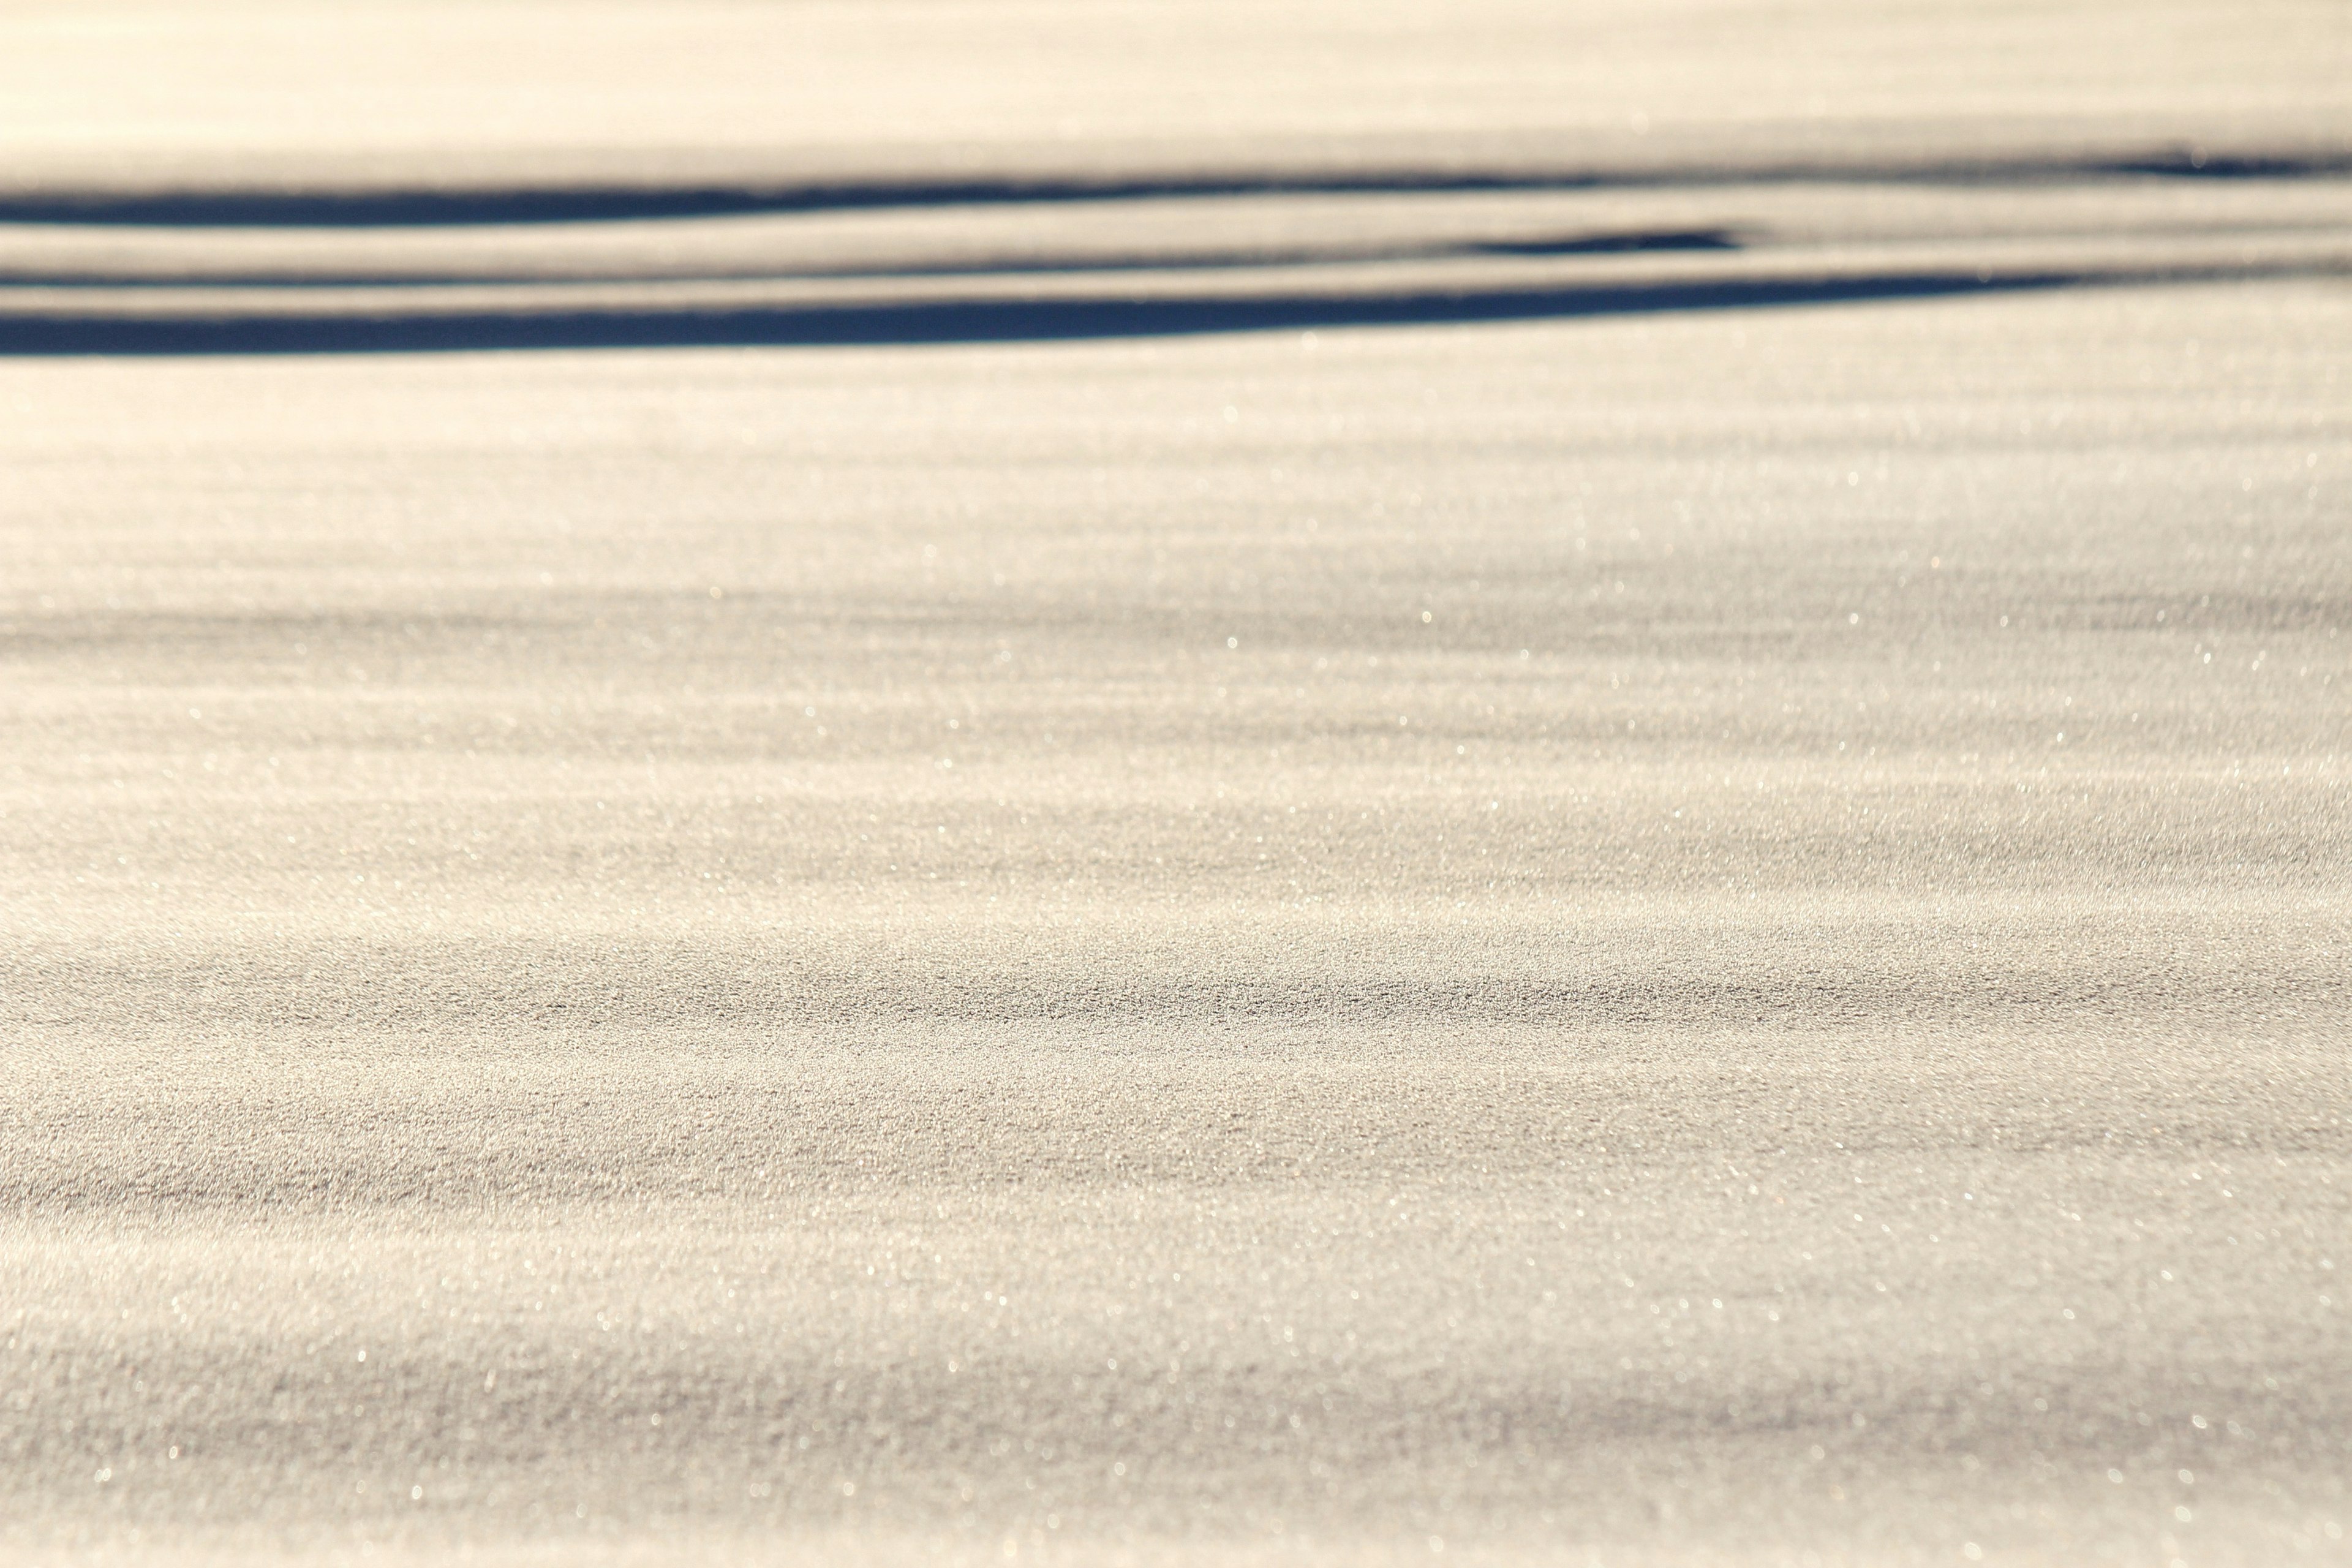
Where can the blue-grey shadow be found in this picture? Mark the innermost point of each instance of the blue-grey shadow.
(398, 208)
(961, 321)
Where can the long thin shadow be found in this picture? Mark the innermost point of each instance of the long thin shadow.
(616, 203)
(965, 320)
(1641, 242)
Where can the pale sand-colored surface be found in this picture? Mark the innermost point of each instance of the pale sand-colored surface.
(1641, 934)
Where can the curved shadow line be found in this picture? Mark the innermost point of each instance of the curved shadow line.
(615, 203)
(1004, 321)
(937, 321)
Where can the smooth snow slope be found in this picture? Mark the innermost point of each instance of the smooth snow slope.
(1371, 784)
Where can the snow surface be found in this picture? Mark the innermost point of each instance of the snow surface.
(1151, 840)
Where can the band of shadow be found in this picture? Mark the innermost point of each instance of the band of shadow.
(229, 208)
(998, 321)
(1640, 242)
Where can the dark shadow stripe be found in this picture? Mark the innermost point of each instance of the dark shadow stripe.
(957, 322)
(398, 208)
(1623, 244)
(1608, 244)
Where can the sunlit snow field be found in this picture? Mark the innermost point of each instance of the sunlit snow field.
(1374, 784)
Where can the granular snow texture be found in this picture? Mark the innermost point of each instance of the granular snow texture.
(1276, 865)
